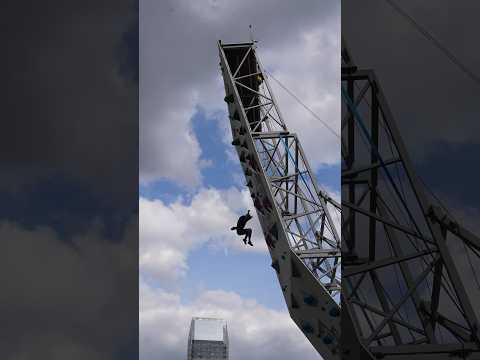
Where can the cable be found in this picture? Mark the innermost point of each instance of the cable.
(435, 42)
(303, 104)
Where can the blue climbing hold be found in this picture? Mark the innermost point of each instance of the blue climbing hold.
(327, 339)
(310, 300)
(335, 312)
(307, 328)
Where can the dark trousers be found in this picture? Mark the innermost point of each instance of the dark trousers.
(246, 232)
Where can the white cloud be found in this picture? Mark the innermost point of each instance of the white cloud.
(179, 71)
(169, 147)
(255, 332)
(309, 69)
(169, 232)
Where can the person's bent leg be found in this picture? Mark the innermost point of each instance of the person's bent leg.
(243, 232)
(249, 234)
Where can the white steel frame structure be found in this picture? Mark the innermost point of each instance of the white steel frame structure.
(299, 220)
(403, 295)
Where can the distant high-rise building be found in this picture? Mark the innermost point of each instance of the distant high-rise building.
(208, 339)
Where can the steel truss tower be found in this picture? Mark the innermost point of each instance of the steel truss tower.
(404, 295)
(298, 219)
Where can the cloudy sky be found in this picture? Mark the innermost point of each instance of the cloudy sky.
(68, 190)
(192, 188)
(434, 103)
(69, 233)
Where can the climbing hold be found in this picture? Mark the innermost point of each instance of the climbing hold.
(327, 339)
(276, 266)
(254, 165)
(274, 231)
(294, 302)
(295, 272)
(229, 99)
(269, 241)
(335, 312)
(267, 204)
(310, 300)
(307, 328)
(257, 205)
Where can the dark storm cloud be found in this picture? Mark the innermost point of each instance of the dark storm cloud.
(67, 108)
(67, 205)
(67, 302)
(69, 134)
(68, 190)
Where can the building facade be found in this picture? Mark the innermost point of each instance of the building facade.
(208, 339)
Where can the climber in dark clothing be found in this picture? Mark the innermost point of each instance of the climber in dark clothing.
(242, 221)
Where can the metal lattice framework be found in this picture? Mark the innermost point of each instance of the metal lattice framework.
(403, 294)
(298, 219)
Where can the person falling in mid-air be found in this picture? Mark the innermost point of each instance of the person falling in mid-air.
(242, 221)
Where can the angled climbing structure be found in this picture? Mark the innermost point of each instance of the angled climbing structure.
(406, 292)
(300, 222)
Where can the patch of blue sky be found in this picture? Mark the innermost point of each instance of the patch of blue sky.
(246, 273)
(165, 190)
(217, 170)
(329, 175)
(68, 205)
